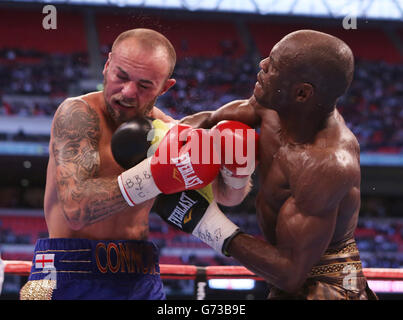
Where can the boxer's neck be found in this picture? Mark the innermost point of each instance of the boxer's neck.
(302, 127)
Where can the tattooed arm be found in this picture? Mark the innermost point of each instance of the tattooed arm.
(84, 196)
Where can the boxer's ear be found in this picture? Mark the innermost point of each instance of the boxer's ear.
(303, 92)
(107, 63)
(167, 85)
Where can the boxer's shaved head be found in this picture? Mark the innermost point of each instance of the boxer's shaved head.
(148, 39)
(318, 64)
(320, 59)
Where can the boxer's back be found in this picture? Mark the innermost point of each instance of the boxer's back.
(286, 168)
(130, 223)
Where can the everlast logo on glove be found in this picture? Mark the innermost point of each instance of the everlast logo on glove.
(182, 210)
(182, 169)
(185, 168)
(185, 205)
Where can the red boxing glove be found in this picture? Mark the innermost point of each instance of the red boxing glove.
(192, 167)
(237, 144)
(178, 164)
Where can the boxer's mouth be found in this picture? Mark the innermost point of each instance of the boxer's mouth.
(124, 105)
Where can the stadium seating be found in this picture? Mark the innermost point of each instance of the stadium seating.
(371, 44)
(22, 29)
(191, 38)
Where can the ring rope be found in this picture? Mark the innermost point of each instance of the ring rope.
(172, 271)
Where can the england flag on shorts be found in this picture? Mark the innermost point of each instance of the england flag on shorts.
(45, 261)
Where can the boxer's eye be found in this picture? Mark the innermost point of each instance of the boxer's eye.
(143, 86)
(123, 77)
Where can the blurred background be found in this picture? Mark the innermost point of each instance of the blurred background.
(219, 44)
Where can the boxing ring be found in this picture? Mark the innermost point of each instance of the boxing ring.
(383, 280)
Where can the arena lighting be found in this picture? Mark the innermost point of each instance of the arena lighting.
(386, 286)
(369, 9)
(27, 164)
(232, 284)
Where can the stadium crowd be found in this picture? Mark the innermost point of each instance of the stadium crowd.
(373, 109)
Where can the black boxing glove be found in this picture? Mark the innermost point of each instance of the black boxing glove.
(197, 213)
(136, 140)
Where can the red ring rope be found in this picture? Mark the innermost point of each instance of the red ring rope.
(171, 271)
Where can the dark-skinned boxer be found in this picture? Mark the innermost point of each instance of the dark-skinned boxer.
(308, 197)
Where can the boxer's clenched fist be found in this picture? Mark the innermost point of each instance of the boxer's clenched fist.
(237, 145)
(176, 165)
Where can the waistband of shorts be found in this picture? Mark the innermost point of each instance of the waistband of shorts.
(94, 259)
(336, 263)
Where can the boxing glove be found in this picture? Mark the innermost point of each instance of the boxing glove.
(137, 139)
(175, 166)
(197, 213)
(237, 145)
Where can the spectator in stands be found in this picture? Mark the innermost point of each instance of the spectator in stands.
(372, 109)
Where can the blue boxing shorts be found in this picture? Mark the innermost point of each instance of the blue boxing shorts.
(82, 269)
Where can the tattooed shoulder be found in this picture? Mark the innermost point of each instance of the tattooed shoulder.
(85, 197)
(75, 120)
(76, 132)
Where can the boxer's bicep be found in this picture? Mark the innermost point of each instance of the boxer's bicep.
(302, 236)
(307, 220)
(75, 147)
(299, 243)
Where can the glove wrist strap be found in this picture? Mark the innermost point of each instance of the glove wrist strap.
(137, 184)
(214, 228)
